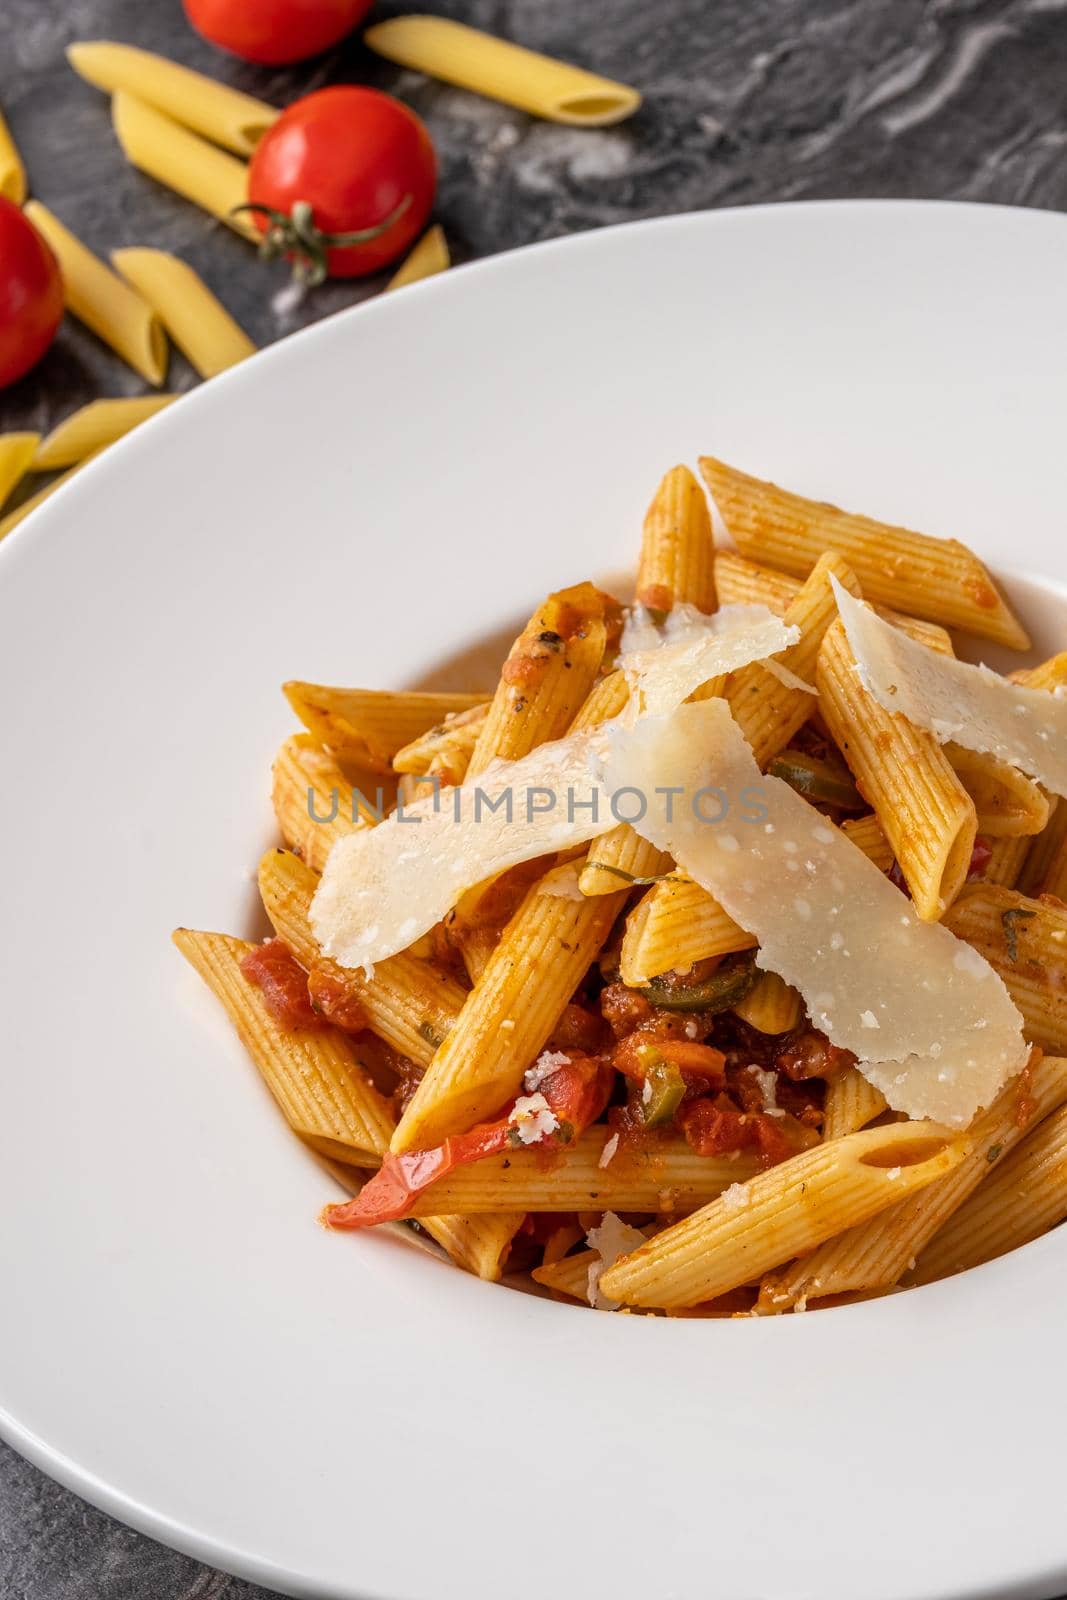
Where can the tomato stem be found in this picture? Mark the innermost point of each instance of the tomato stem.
(296, 236)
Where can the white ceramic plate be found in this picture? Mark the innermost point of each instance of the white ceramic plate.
(342, 1416)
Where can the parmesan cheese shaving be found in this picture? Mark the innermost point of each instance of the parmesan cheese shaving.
(972, 705)
(612, 1240)
(665, 665)
(932, 1023)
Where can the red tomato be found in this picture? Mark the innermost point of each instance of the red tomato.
(343, 182)
(275, 31)
(31, 294)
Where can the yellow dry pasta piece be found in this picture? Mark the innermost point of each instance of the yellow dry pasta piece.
(876, 1254)
(429, 257)
(1025, 942)
(201, 327)
(12, 172)
(502, 71)
(925, 812)
(541, 957)
(373, 726)
(1024, 1196)
(772, 1006)
(182, 161)
(851, 1102)
(779, 1213)
(92, 427)
(938, 579)
(17, 452)
(672, 1180)
(100, 299)
(22, 511)
(221, 114)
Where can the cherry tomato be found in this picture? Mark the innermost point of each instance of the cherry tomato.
(31, 294)
(274, 32)
(343, 182)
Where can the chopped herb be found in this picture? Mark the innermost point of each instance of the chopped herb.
(629, 877)
(1009, 921)
(993, 1152)
(821, 782)
(553, 640)
(428, 1032)
(723, 990)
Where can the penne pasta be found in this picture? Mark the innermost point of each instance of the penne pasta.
(925, 812)
(409, 1003)
(445, 750)
(502, 71)
(771, 1006)
(182, 161)
(1024, 1196)
(876, 1254)
(779, 1213)
(530, 976)
(23, 509)
(91, 427)
(1005, 862)
(314, 802)
(376, 726)
(570, 1276)
(200, 326)
(866, 834)
(677, 558)
(1025, 941)
(1044, 870)
(936, 579)
(223, 115)
(672, 1180)
(676, 924)
(93, 293)
(851, 1103)
(1008, 804)
(312, 1073)
(17, 454)
(429, 257)
(12, 172)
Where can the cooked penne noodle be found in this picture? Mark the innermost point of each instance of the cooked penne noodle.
(779, 1213)
(429, 257)
(851, 1103)
(100, 299)
(606, 699)
(23, 509)
(676, 924)
(866, 834)
(925, 812)
(375, 726)
(1005, 861)
(568, 1276)
(676, 565)
(221, 114)
(200, 326)
(876, 1254)
(502, 71)
(1050, 674)
(17, 454)
(1024, 1196)
(182, 161)
(771, 1006)
(549, 671)
(92, 427)
(538, 963)
(314, 802)
(1025, 941)
(12, 172)
(619, 857)
(672, 1180)
(1008, 804)
(1045, 869)
(312, 1074)
(409, 1003)
(937, 579)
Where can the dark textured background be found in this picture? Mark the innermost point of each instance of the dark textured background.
(745, 100)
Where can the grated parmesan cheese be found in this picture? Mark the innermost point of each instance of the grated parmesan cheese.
(607, 1155)
(611, 1240)
(532, 1118)
(548, 1062)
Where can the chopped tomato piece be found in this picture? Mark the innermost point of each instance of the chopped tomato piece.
(277, 973)
(981, 856)
(716, 1128)
(637, 1054)
(811, 1055)
(335, 999)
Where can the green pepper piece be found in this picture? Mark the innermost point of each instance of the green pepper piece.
(662, 1088)
(718, 993)
(822, 782)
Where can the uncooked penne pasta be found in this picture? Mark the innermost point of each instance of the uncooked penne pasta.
(409, 1003)
(17, 454)
(672, 1180)
(851, 1103)
(100, 299)
(876, 1254)
(538, 963)
(771, 1006)
(502, 71)
(1008, 804)
(182, 161)
(1050, 674)
(312, 1073)
(200, 326)
(676, 924)
(938, 579)
(779, 1213)
(22, 511)
(92, 427)
(314, 802)
(1024, 1196)
(373, 726)
(677, 557)
(1025, 941)
(429, 257)
(221, 114)
(925, 812)
(549, 671)
(12, 172)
